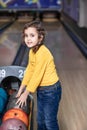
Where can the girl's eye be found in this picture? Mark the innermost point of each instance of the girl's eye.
(32, 35)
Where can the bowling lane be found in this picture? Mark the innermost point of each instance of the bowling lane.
(10, 41)
(72, 69)
(71, 66)
(2, 24)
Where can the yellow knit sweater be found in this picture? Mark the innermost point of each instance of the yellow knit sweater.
(40, 70)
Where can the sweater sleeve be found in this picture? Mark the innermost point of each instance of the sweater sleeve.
(37, 74)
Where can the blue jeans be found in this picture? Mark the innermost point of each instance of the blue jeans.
(48, 98)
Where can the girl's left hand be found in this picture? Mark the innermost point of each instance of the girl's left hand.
(23, 98)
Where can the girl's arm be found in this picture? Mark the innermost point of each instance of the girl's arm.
(20, 90)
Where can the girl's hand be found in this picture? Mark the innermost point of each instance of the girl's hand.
(23, 98)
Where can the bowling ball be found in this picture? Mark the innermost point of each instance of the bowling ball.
(13, 124)
(3, 99)
(3, 93)
(1, 128)
(2, 104)
(17, 114)
(12, 103)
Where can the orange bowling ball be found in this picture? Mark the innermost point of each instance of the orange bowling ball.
(16, 113)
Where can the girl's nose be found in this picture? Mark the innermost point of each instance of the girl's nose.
(28, 38)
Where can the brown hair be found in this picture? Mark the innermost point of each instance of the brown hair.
(41, 32)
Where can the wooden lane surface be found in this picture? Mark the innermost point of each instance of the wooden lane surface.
(10, 41)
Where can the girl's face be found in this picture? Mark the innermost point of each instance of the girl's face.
(31, 37)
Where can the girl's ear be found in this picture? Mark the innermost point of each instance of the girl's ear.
(41, 38)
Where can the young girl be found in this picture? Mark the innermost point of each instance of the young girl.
(40, 75)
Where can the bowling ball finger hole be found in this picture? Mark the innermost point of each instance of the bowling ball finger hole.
(20, 127)
(15, 114)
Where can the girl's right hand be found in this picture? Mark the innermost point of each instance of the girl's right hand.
(23, 98)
